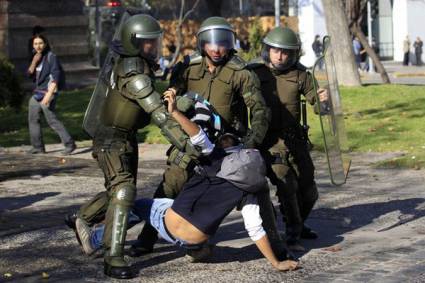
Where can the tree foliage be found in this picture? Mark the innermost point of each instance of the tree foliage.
(11, 93)
(256, 35)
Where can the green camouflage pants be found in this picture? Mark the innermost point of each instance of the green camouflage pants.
(292, 172)
(118, 161)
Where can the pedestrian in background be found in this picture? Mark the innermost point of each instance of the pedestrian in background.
(36, 30)
(417, 45)
(406, 50)
(46, 72)
(357, 47)
(318, 49)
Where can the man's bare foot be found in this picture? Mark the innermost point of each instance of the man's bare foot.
(286, 265)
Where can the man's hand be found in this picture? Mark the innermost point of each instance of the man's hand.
(46, 99)
(323, 94)
(170, 91)
(35, 60)
(286, 265)
(170, 98)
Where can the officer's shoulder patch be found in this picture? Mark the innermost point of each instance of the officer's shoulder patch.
(256, 63)
(129, 66)
(194, 59)
(236, 63)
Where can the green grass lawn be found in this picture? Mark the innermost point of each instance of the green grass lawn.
(378, 118)
(70, 109)
(383, 118)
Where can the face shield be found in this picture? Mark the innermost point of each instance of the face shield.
(216, 43)
(279, 59)
(150, 48)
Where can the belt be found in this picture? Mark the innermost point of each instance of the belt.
(166, 230)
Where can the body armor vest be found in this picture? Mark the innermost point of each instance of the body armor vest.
(220, 89)
(119, 111)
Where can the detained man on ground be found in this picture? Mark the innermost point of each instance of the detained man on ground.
(196, 213)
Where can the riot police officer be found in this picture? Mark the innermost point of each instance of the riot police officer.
(222, 79)
(131, 102)
(283, 81)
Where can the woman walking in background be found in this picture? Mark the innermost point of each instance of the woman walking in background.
(46, 73)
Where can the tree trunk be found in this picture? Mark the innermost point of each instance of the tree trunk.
(342, 47)
(182, 18)
(362, 38)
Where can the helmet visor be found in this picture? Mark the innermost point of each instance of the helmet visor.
(216, 38)
(150, 48)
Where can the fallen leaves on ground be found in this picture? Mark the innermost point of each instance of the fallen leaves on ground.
(45, 275)
(7, 275)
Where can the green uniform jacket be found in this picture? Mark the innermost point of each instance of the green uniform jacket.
(282, 92)
(231, 90)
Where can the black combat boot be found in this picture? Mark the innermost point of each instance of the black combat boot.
(308, 233)
(116, 267)
(145, 242)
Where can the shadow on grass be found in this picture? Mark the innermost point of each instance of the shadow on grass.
(384, 111)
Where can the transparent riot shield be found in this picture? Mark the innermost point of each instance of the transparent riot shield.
(92, 122)
(332, 116)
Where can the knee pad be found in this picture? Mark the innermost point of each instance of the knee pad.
(124, 194)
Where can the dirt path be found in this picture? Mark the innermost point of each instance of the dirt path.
(371, 229)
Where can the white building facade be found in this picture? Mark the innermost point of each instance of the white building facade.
(396, 19)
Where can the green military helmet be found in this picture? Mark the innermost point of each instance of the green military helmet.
(141, 34)
(287, 41)
(216, 32)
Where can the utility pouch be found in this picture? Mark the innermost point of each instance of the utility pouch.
(181, 159)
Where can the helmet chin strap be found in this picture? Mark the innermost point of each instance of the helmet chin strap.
(147, 56)
(280, 67)
(223, 60)
(219, 62)
(284, 66)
